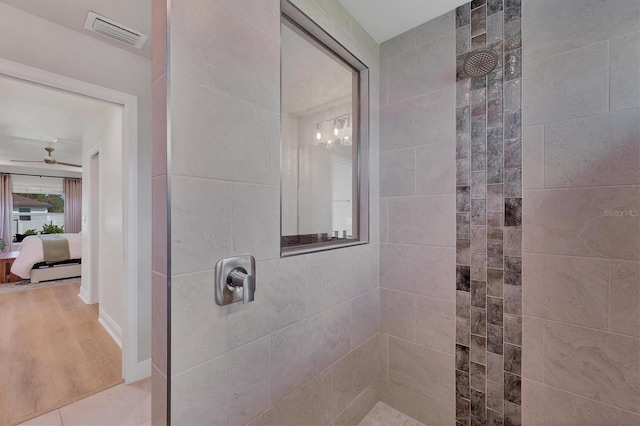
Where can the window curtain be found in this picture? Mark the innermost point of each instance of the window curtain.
(72, 205)
(6, 210)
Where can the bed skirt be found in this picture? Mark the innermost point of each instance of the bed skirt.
(55, 273)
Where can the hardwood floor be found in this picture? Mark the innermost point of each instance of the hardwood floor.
(53, 351)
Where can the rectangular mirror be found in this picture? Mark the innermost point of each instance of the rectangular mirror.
(324, 140)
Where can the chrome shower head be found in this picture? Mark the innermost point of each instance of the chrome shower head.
(480, 62)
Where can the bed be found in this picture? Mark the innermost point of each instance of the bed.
(31, 263)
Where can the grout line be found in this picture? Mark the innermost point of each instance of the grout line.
(448, 87)
(537, 253)
(415, 170)
(543, 348)
(590, 399)
(609, 296)
(584, 327)
(415, 320)
(220, 91)
(582, 117)
(609, 76)
(431, 348)
(60, 414)
(219, 180)
(419, 295)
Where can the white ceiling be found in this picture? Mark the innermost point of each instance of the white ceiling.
(72, 14)
(33, 115)
(385, 19)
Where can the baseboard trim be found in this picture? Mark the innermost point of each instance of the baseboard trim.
(83, 296)
(141, 371)
(114, 330)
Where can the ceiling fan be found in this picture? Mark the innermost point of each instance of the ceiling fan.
(48, 159)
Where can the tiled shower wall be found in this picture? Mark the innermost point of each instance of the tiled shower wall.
(581, 226)
(306, 351)
(489, 217)
(417, 189)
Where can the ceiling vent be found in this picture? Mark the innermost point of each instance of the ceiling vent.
(115, 30)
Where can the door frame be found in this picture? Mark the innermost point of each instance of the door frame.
(91, 293)
(132, 369)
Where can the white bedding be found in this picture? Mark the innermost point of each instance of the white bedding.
(31, 253)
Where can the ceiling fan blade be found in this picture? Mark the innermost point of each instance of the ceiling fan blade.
(68, 164)
(26, 161)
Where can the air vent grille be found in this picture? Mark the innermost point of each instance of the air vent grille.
(112, 29)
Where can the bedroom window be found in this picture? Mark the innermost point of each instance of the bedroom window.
(37, 201)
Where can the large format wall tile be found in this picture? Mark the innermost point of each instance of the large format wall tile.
(423, 370)
(435, 29)
(398, 172)
(398, 314)
(201, 223)
(352, 374)
(435, 226)
(302, 350)
(359, 408)
(568, 289)
(625, 294)
(571, 85)
(398, 44)
(332, 277)
(422, 70)
(533, 154)
(403, 125)
(309, 404)
(365, 314)
(413, 404)
(593, 364)
(198, 398)
(588, 222)
(434, 171)
(256, 220)
(231, 151)
(263, 14)
(436, 59)
(594, 151)
(213, 330)
(248, 68)
(423, 270)
(555, 407)
(624, 57)
(435, 324)
(532, 348)
(551, 27)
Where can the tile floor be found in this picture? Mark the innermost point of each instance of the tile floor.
(130, 405)
(383, 415)
(123, 405)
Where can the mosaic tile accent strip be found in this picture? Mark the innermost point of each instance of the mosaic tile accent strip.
(489, 218)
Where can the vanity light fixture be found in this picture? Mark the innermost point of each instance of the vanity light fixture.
(331, 132)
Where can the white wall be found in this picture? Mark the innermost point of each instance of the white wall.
(35, 42)
(108, 136)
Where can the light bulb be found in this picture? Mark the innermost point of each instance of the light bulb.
(335, 131)
(318, 136)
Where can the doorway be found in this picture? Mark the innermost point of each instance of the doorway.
(124, 247)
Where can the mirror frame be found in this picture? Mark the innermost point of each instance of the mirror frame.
(302, 24)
